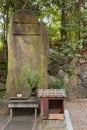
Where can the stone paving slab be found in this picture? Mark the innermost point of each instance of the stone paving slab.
(50, 124)
(20, 123)
(29, 123)
(3, 120)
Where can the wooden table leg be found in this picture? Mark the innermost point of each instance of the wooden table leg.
(11, 113)
(35, 113)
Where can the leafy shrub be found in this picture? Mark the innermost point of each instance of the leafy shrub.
(70, 71)
(59, 84)
(33, 79)
(2, 94)
(3, 67)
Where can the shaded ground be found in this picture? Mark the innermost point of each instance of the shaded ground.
(77, 110)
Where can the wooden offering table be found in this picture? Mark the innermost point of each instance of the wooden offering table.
(15, 102)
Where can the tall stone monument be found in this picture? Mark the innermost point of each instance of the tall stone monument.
(27, 49)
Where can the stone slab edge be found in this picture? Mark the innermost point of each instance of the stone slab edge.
(68, 120)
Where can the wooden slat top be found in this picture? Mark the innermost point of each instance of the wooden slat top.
(56, 116)
(22, 100)
(51, 93)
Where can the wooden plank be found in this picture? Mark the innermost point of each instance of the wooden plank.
(56, 116)
(23, 105)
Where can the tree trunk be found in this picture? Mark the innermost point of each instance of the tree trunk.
(63, 22)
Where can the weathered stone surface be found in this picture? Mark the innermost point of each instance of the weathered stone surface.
(83, 75)
(82, 92)
(79, 81)
(24, 16)
(66, 78)
(65, 66)
(19, 28)
(2, 86)
(73, 62)
(81, 60)
(3, 79)
(84, 83)
(53, 69)
(61, 72)
(51, 80)
(84, 67)
(85, 54)
(27, 49)
(4, 107)
(78, 69)
(73, 80)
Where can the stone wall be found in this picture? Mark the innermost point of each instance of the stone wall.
(4, 107)
(74, 74)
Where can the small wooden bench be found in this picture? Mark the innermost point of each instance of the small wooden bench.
(15, 102)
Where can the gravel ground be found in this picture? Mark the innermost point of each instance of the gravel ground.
(78, 113)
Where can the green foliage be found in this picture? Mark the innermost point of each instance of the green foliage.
(53, 56)
(33, 79)
(57, 57)
(59, 83)
(1, 45)
(65, 21)
(70, 71)
(2, 94)
(3, 67)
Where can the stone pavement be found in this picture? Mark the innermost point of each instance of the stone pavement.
(49, 124)
(20, 123)
(3, 120)
(29, 123)
(76, 108)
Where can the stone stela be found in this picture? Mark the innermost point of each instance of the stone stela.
(27, 49)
